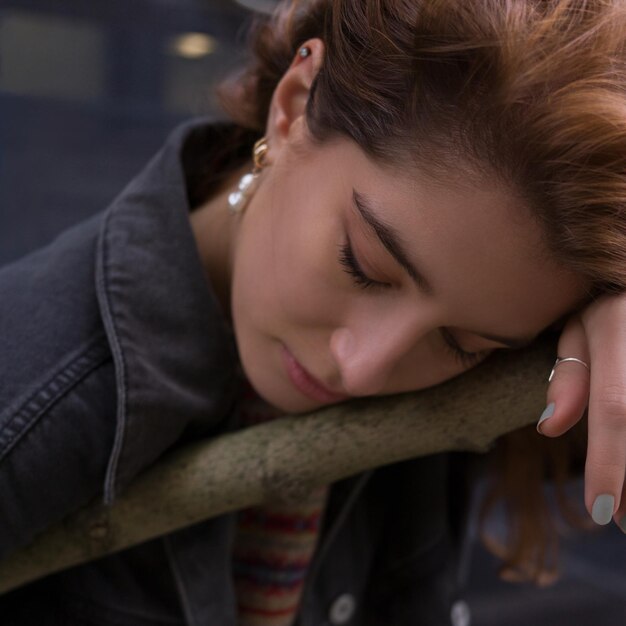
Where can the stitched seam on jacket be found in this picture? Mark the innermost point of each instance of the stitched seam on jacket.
(118, 359)
(87, 359)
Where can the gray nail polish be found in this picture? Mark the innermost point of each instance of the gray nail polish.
(622, 524)
(602, 510)
(547, 412)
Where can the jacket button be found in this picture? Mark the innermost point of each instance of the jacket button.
(460, 614)
(342, 609)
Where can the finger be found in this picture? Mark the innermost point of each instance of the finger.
(606, 447)
(568, 392)
(620, 514)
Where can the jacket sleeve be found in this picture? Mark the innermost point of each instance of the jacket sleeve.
(57, 386)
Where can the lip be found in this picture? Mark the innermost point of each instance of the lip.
(305, 383)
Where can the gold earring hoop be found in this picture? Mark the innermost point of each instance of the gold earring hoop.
(238, 199)
(259, 153)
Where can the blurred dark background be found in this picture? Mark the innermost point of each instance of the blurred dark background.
(88, 92)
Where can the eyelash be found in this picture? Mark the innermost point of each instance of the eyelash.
(351, 266)
(467, 359)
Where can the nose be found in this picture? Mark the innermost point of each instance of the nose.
(368, 353)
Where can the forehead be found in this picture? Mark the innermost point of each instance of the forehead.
(475, 239)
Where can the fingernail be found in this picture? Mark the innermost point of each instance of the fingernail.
(622, 524)
(547, 412)
(602, 510)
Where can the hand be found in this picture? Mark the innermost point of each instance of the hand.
(596, 336)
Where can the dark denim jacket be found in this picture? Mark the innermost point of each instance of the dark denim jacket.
(112, 350)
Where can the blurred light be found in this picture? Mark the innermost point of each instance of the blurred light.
(192, 45)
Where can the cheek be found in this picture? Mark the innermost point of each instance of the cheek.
(285, 272)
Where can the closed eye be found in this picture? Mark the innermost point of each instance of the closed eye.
(467, 359)
(353, 268)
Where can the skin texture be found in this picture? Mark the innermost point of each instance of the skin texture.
(278, 272)
(290, 289)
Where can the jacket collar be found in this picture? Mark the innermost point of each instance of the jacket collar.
(174, 355)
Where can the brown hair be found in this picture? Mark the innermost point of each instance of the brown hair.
(531, 91)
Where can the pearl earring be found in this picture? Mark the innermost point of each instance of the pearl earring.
(238, 199)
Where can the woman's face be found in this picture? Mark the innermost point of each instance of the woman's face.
(350, 279)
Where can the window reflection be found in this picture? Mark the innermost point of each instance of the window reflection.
(54, 54)
(50, 56)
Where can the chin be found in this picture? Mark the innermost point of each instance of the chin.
(264, 379)
(288, 403)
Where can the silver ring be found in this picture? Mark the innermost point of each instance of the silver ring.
(560, 360)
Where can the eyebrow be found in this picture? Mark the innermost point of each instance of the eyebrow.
(392, 242)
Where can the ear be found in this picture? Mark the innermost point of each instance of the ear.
(289, 100)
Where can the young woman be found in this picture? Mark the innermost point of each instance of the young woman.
(429, 182)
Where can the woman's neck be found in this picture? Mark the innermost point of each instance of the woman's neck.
(215, 229)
